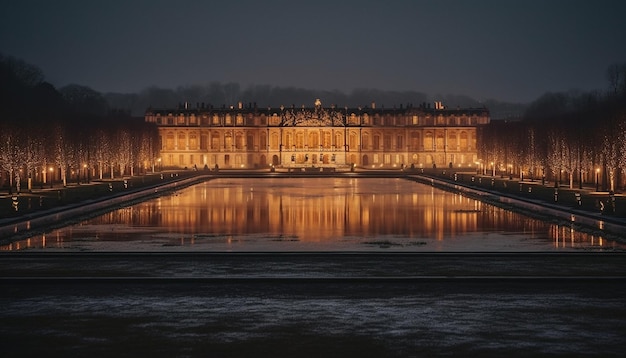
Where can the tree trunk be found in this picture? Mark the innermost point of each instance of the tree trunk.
(64, 176)
(571, 180)
(11, 181)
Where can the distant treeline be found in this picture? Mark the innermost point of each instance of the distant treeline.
(569, 137)
(263, 96)
(72, 131)
(48, 134)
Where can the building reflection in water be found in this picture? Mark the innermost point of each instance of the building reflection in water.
(317, 210)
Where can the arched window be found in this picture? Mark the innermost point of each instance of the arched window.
(428, 141)
(239, 141)
(464, 143)
(452, 141)
(387, 142)
(366, 141)
(228, 141)
(300, 140)
(376, 142)
(181, 141)
(354, 142)
(440, 142)
(193, 142)
(326, 141)
(215, 140)
(314, 140)
(169, 142)
(288, 141)
(338, 140)
(263, 142)
(415, 141)
(274, 142)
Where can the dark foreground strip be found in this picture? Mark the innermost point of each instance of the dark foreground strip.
(291, 266)
(307, 280)
(16, 288)
(273, 254)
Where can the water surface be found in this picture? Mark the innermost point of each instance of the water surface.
(315, 214)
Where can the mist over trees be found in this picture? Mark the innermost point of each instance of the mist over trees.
(226, 94)
(84, 100)
(571, 137)
(48, 135)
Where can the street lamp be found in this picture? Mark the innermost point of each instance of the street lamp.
(597, 181)
(51, 170)
(580, 178)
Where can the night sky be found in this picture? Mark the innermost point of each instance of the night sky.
(505, 50)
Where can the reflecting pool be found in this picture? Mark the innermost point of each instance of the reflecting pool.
(315, 214)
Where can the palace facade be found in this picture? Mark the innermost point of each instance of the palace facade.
(297, 137)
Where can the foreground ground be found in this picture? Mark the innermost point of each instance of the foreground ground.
(310, 305)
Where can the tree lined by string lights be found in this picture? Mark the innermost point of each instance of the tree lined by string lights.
(578, 137)
(67, 135)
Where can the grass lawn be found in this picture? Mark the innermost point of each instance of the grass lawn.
(44, 197)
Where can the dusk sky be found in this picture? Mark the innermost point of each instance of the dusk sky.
(506, 50)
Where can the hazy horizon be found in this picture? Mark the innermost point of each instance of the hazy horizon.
(512, 51)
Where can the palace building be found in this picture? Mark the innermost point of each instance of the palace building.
(317, 136)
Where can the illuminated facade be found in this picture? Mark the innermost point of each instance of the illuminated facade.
(298, 137)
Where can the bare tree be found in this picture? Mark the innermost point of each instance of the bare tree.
(555, 157)
(10, 153)
(610, 157)
(616, 75)
(62, 152)
(32, 154)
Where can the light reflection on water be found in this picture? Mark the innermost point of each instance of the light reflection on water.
(314, 214)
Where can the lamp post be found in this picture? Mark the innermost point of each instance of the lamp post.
(51, 170)
(597, 181)
(580, 178)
